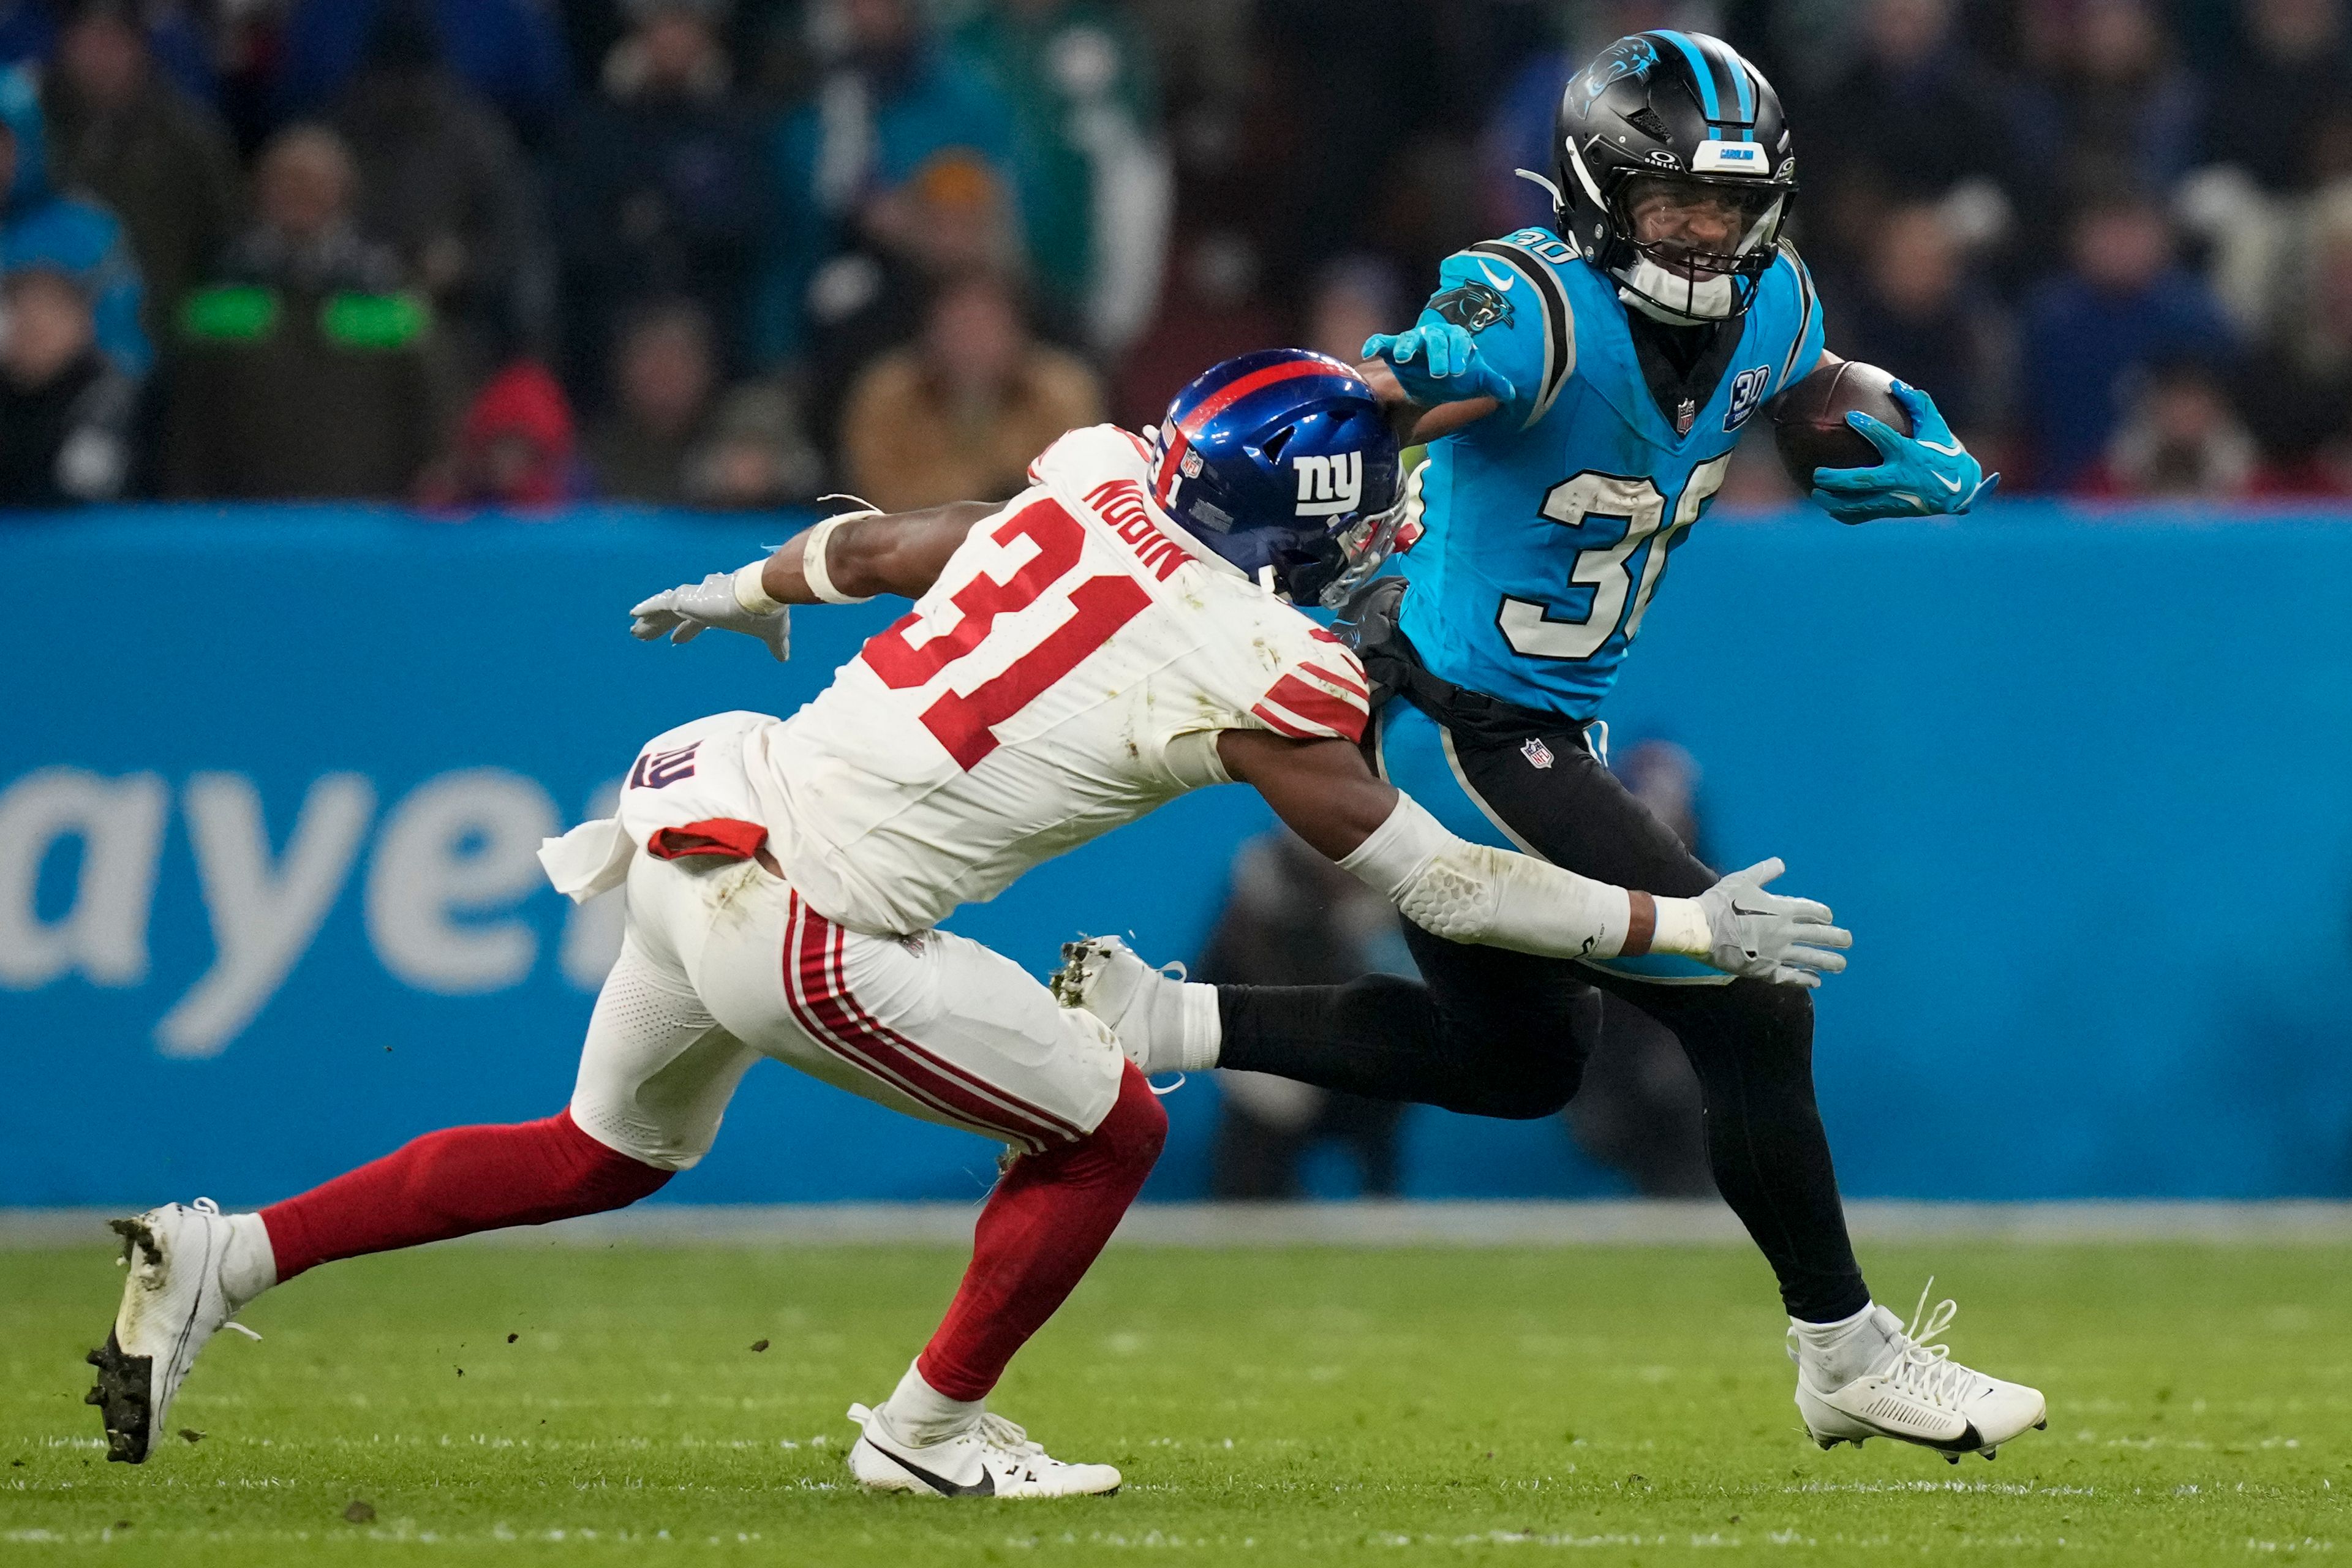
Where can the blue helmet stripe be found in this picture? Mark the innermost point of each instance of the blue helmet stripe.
(1739, 69)
(1709, 103)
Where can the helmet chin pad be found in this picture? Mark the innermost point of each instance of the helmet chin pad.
(1668, 296)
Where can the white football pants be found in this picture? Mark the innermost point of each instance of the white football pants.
(723, 963)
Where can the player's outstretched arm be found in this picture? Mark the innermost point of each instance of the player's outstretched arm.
(1473, 893)
(861, 554)
(844, 560)
(1423, 402)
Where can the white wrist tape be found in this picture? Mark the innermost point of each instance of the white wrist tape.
(753, 594)
(1682, 928)
(1467, 892)
(813, 566)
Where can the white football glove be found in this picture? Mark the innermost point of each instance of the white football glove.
(683, 612)
(1765, 936)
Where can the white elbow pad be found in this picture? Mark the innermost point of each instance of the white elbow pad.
(1469, 892)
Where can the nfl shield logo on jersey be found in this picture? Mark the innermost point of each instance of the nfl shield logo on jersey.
(1536, 752)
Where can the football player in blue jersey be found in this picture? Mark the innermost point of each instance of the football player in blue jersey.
(1581, 389)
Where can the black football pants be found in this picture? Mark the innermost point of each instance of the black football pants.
(1492, 1033)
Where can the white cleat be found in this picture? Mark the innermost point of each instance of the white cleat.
(172, 1304)
(1106, 977)
(992, 1458)
(1915, 1393)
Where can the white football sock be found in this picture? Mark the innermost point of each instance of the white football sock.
(250, 1264)
(1836, 1353)
(921, 1414)
(1203, 1032)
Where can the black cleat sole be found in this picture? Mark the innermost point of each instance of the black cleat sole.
(124, 1383)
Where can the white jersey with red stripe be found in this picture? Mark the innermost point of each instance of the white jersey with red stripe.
(1066, 673)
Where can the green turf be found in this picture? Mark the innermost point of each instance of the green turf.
(1618, 1404)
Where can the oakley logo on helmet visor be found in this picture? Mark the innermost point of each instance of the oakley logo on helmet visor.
(1329, 486)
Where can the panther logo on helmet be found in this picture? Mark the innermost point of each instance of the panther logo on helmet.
(1634, 56)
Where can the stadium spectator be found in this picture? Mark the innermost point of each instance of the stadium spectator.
(509, 51)
(665, 375)
(125, 131)
(2179, 440)
(1917, 312)
(1914, 114)
(442, 181)
(2297, 391)
(39, 228)
(175, 31)
(515, 448)
(958, 415)
(886, 99)
(2278, 89)
(1096, 184)
(305, 237)
(66, 411)
(2106, 105)
(2123, 305)
(661, 185)
(303, 372)
(955, 216)
(1292, 918)
(756, 455)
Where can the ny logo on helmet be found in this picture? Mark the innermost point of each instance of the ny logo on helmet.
(1329, 486)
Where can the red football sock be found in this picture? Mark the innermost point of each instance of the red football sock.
(1048, 1218)
(453, 1183)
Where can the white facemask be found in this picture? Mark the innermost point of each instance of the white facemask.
(1705, 299)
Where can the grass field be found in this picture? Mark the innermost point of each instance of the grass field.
(513, 1405)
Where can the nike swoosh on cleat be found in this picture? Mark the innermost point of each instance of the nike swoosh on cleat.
(984, 1487)
(1967, 1442)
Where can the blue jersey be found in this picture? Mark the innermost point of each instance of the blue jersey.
(1550, 522)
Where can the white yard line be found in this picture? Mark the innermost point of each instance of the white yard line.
(1631, 1223)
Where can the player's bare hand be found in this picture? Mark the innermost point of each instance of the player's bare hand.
(683, 613)
(1768, 936)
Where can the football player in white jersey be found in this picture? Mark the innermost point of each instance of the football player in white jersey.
(1073, 658)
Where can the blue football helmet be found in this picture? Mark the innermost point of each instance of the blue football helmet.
(1283, 463)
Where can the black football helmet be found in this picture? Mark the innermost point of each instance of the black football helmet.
(1680, 115)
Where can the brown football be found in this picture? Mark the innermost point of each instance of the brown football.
(1810, 428)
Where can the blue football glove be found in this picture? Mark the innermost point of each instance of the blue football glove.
(1439, 363)
(1925, 474)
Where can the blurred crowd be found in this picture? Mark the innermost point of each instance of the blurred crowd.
(730, 254)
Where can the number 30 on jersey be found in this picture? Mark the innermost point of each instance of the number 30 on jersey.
(1602, 599)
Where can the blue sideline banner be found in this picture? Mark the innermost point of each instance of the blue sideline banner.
(2082, 783)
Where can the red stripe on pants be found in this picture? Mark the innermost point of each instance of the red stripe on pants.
(821, 1004)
